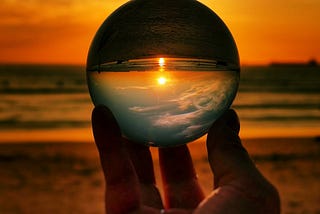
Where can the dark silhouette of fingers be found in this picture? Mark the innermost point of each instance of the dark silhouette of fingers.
(235, 174)
(181, 187)
(122, 186)
(142, 161)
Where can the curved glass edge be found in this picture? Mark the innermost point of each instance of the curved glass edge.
(168, 64)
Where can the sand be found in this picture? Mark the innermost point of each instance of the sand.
(66, 177)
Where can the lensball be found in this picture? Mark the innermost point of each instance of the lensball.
(166, 69)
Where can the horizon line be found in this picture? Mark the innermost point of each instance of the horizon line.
(270, 63)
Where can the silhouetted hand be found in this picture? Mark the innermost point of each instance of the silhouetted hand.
(130, 181)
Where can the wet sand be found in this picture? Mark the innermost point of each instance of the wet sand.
(66, 177)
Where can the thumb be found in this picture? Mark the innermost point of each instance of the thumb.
(227, 157)
(234, 171)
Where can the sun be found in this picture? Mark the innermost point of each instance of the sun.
(162, 62)
(162, 80)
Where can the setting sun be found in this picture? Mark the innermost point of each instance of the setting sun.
(161, 62)
(162, 80)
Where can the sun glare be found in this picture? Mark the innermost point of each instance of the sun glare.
(162, 80)
(161, 62)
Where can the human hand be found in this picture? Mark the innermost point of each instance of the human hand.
(130, 181)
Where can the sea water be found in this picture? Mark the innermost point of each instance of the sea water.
(164, 108)
(277, 101)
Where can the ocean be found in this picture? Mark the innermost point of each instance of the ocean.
(51, 103)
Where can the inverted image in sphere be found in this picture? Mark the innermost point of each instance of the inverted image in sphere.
(166, 70)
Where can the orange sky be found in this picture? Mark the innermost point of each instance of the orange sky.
(60, 31)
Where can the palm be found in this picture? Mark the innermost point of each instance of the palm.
(130, 180)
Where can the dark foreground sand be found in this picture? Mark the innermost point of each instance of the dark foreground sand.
(66, 177)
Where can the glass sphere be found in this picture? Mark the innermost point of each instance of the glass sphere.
(167, 69)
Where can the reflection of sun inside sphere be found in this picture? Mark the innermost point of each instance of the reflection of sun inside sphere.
(172, 102)
(161, 62)
(167, 69)
(162, 80)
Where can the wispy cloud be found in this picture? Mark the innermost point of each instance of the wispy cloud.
(194, 129)
(151, 109)
(132, 87)
(193, 109)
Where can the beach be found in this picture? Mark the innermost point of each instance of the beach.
(166, 75)
(67, 178)
(49, 163)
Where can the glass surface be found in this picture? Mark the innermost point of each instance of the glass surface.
(164, 101)
(167, 69)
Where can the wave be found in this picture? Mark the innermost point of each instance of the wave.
(270, 96)
(304, 106)
(43, 90)
(15, 124)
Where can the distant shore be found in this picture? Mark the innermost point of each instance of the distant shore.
(310, 63)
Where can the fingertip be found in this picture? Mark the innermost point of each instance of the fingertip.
(224, 130)
(230, 119)
(102, 117)
(104, 125)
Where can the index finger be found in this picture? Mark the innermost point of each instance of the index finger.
(122, 186)
(180, 182)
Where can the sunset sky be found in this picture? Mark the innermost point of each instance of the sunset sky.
(60, 31)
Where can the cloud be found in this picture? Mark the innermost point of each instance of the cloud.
(150, 109)
(194, 109)
(193, 130)
(132, 87)
(199, 95)
(169, 120)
